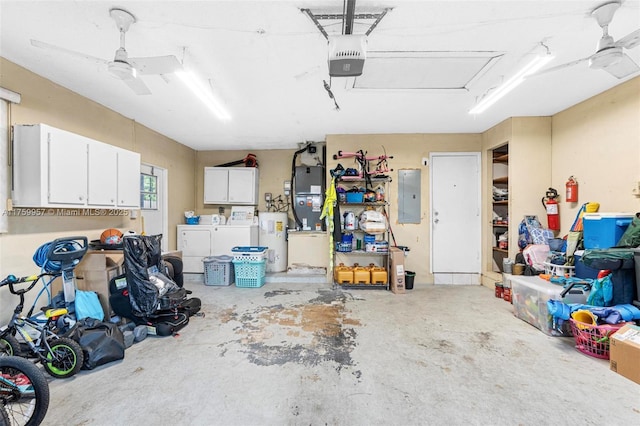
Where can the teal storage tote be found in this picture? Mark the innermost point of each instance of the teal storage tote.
(251, 273)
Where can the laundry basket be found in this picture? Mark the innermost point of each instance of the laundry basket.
(218, 270)
(593, 340)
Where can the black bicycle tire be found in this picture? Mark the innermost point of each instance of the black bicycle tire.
(40, 389)
(77, 354)
(12, 343)
(4, 416)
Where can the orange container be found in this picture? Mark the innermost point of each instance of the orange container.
(378, 274)
(361, 275)
(343, 274)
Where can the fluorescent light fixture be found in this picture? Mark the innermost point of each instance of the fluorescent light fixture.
(538, 62)
(204, 94)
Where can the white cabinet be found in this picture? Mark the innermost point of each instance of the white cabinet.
(128, 178)
(49, 167)
(102, 187)
(56, 168)
(231, 185)
(199, 241)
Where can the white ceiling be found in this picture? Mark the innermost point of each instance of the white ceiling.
(266, 61)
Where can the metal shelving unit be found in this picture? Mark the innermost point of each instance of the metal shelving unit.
(361, 257)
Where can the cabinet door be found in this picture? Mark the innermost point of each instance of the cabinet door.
(102, 189)
(194, 240)
(67, 168)
(242, 185)
(216, 182)
(128, 180)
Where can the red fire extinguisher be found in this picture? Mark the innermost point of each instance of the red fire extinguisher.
(551, 206)
(572, 190)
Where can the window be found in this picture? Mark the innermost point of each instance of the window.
(148, 192)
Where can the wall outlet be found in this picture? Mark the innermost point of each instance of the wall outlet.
(267, 196)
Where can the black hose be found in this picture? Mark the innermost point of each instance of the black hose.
(293, 176)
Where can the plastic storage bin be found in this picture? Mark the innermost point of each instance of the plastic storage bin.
(249, 253)
(582, 270)
(604, 230)
(530, 296)
(623, 277)
(250, 273)
(218, 270)
(355, 197)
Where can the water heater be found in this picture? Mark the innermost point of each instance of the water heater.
(273, 234)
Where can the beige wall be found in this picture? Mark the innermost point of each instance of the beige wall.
(274, 166)
(598, 142)
(408, 151)
(46, 102)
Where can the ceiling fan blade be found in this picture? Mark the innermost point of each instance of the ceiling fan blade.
(137, 85)
(558, 67)
(43, 45)
(156, 64)
(622, 68)
(629, 41)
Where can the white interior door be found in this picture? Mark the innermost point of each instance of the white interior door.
(155, 216)
(455, 217)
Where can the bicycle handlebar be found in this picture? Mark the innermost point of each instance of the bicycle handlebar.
(11, 280)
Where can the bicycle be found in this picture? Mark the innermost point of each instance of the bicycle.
(24, 392)
(61, 357)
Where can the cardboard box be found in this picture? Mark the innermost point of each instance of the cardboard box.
(95, 271)
(624, 352)
(396, 271)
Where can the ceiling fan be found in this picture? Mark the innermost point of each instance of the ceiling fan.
(610, 55)
(122, 66)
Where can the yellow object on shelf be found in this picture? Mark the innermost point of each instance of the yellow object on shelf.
(361, 275)
(343, 274)
(378, 274)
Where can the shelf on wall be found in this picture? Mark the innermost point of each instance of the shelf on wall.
(504, 179)
(500, 250)
(503, 158)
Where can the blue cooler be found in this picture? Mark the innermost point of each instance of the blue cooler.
(604, 230)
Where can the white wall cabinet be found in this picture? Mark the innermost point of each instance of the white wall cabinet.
(102, 187)
(231, 185)
(128, 179)
(56, 168)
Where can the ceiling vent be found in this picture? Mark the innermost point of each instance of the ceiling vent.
(347, 54)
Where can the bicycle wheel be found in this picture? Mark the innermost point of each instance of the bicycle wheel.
(24, 391)
(9, 345)
(65, 358)
(4, 416)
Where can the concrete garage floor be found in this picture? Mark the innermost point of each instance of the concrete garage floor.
(305, 354)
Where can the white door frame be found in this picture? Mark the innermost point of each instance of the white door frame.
(478, 223)
(163, 205)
